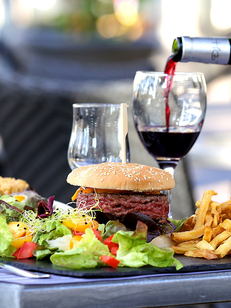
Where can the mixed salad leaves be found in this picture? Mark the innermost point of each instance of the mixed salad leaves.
(73, 238)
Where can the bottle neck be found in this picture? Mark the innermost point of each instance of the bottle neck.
(202, 49)
(177, 49)
(229, 63)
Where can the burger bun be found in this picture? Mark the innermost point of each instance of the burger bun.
(118, 176)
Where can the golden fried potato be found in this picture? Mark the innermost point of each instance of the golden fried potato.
(188, 235)
(217, 230)
(219, 239)
(226, 224)
(189, 224)
(204, 245)
(204, 206)
(183, 247)
(208, 219)
(224, 248)
(226, 208)
(207, 234)
(206, 254)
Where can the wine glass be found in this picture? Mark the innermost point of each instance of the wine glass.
(96, 135)
(168, 126)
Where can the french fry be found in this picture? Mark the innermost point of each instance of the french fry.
(224, 248)
(198, 203)
(215, 220)
(204, 245)
(208, 219)
(219, 239)
(206, 254)
(215, 207)
(189, 224)
(226, 208)
(188, 235)
(217, 231)
(183, 247)
(226, 224)
(207, 234)
(204, 206)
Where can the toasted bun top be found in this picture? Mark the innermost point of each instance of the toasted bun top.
(120, 176)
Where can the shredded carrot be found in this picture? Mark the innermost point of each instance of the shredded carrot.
(88, 190)
(84, 190)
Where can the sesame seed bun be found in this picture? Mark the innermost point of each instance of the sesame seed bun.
(118, 176)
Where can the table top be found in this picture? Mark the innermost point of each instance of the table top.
(139, 291)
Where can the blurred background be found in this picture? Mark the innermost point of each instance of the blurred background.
(57, 52)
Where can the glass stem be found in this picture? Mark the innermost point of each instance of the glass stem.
(170, 170)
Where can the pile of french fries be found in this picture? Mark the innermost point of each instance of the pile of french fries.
(207, 233)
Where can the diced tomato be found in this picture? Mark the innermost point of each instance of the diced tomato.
(26, 251)
(108, 241)
(76, 233)
(15, 254)
(113, 262)
(110, 244)
(98, 235)
(114, 250)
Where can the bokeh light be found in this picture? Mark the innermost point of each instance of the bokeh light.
(126, 12)
(39, 4)
(108, 26)
(220, 14)
(119, 20)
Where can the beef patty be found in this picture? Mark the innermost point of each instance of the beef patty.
(154, 206)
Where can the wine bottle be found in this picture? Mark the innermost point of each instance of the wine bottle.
(215, 50)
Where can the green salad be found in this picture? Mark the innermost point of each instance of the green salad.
(74, 239)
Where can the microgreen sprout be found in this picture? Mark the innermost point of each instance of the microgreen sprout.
(35, 223)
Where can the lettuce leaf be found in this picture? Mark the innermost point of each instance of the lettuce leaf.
(43, 252)
(31, 198)
(134, 251)
(53, 230)
(86, 255)
(10, 208)
(75, 258)
(6, 238)
(93, 245)
(12, 201)
(112, 227)
(62, 243)
(178, 223)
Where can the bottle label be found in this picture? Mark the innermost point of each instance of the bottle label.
(214, 50)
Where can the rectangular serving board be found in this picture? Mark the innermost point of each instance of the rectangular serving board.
(189, 265)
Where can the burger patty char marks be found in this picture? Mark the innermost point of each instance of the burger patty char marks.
(154, 206)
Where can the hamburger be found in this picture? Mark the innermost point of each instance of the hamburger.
(125, 192)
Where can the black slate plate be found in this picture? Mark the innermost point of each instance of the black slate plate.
(190, 265)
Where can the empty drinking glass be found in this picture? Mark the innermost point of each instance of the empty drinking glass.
(96, 135)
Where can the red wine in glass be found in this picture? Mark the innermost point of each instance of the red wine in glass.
(168, 112)
(168, 147)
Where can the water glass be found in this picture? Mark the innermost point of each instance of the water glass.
(96, 135)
